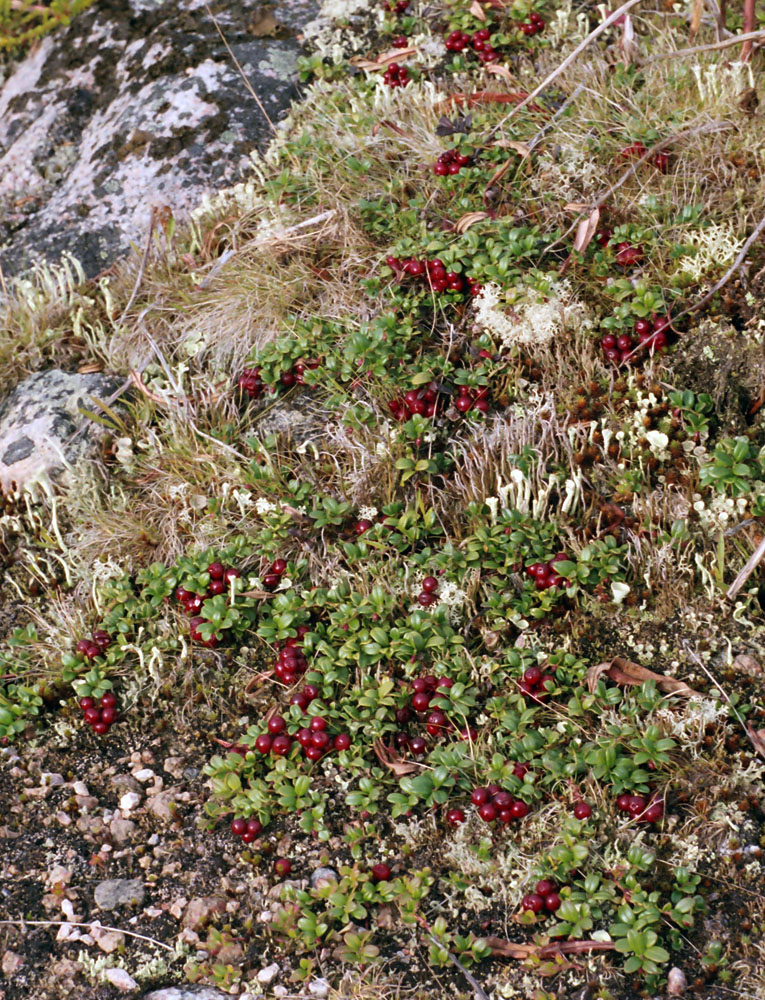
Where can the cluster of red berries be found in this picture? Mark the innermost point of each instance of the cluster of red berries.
(429, 595)
(395, 75)
(100, 716)
(450, 163)
(400, 42)
(397, 8)
(458, 41)
(651, 336)
(220, 578)
(292, 662)
(636, 149)
(546, 897)
(495, 804)
(97, 644)
(544, 574)
(428, 400)
(246, 829)
(436, 722)
(534, 25)
(467, 399)
(434, 274)
(642, 809)
(296, 374)
(535, 684)
(313, 738)
(251, 382)
(275, 572)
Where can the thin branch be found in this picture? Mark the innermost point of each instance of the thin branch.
(142, 268)
(728, 274)
(700, 663)
(73, 923)
(247, 83)
(757, 556)
(572, 57)
(724, 44)
(546, 128)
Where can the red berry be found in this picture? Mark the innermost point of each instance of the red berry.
(418, 746)
(532, 675)
(263, 743)
(643, 326)
(108, 700)
(342, 741)
(503, 800)
(271, 580)
(624, 342)
(109, 714)
(436, 722)
(421, 701)
(488, 812)
(426, 600)
(216, 570)
(86, 703)
(381, 872)
(282, 867)
(254, 827)
(300, 699)
(519, 809)
(363, 525)
(519, 770)
(281, 745)
(320, 739)
(552, 902)
(430, 585)
(314, 753)
(317, 723)
(276, 725)
(545, 886)
(534, 902)
(623, 802)
(454, 817)
(238, 826)
(304, 737)
(101, 728)
(232, 573)
(653, 813)
(582, 810)
(479, 796)
(92, 716)
(608, 342)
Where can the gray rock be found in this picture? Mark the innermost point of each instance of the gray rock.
(323, 876)
(116, 892)
(187, 993)
(135, 105)
(39, 421)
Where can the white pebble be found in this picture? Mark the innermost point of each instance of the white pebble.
(270, 972)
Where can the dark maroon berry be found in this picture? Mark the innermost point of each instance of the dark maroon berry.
(282, 867)
(545, 886)
(454, 817)
(582, 810)
(254, 827)
(86, 703)
(488, 812)
(108, 700)
(552, 902)
(534, 902)
(216, 570)
(430, 585)
(381, 872)
(342, 741)
(263, 743)
(418, 746)
(109, 714)
(238, 826)
(101, 728)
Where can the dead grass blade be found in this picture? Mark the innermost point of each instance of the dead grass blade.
(623, 671)
(390, 759)
(486, 97)
(499, 70)
(512, 949)
(469, 219)
(477, 10)
(392, 55)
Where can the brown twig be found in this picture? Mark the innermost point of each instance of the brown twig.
(247, 83)
(728, 274)
(752, 563)
(724, 44)
(749, 22)
(569, 60)
(479, 990)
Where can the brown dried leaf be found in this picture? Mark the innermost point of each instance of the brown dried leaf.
(575, 206)
(391, 760)
(511, 949)
(499, 70)
(469, 219)
(392, 55)
(757, 736)
(625, 672)
(477, 10)
(696, 11)
(387, 123)
(586, 230)
(488, 97)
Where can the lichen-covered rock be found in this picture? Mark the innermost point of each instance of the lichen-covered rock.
(43, 430)
(135, 105)
(116, 892)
